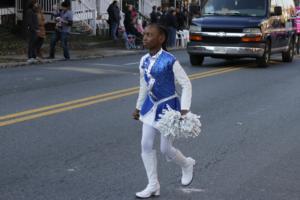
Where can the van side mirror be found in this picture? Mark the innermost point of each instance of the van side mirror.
(278, 10)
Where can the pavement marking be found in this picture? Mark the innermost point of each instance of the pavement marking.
(133, 63)
(79, 103)
(216, 72)
(91, 70)
(190, 190)
(106, 64)
(84, 70)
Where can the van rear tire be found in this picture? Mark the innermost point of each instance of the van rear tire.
(196, 60)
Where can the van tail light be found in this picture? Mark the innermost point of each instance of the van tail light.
(196, 38)
(252, 39)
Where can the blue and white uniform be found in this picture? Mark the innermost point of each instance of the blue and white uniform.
(159, 75)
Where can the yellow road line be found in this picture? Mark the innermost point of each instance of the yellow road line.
(211, 71)
(62, 107)
(65, 104)
(51, 112)
(215, 73)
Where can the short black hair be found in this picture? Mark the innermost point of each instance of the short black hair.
(65, 4)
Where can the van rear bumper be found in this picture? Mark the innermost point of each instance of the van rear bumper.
(254, 51)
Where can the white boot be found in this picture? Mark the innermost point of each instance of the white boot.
(187, 166)
(153, 187)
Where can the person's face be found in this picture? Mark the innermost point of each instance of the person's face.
(152, 39)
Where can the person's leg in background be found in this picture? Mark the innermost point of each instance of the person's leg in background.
(54, 39)
(114, 30)
(172, 36)
(39, 44)
(32, 46)
(64, 43)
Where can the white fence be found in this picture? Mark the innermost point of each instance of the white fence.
(47, 5)
(6, 11)
(85, 12)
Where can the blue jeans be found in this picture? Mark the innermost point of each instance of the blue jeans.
(171, 37)
(114, 29)
(63, 37)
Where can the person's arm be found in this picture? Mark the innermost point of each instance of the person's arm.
(185, 83)
(142, 93)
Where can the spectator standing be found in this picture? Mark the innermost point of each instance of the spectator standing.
(153, 15)
(129, 24)
(122, 30)
(181, 18)
(171, 22)
(63, 28)
(33, 30)
(128, 18)
(194, 9)
(114, 19)
(163, 17)
(42, 32)
(158, 14)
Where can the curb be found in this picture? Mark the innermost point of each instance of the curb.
(47, 61)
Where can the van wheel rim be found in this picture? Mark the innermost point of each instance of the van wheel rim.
(267, 57)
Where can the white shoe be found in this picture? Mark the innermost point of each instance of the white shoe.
(187, 166)
(153, 187)
(149, 191)
(32, 61)
(187, 172)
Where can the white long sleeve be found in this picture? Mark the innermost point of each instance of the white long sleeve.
(143, 87)
(185, 83)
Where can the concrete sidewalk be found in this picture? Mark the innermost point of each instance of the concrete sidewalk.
(21, 60)
(86, 53)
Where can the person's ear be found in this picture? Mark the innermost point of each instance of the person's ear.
(162, 38)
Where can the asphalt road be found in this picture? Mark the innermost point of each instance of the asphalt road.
(66, 132)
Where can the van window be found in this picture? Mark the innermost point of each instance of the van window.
(235, 7)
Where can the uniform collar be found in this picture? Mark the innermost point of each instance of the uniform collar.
(156, 55)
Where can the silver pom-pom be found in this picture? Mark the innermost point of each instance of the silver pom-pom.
(172, 124)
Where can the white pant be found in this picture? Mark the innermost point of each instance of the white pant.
(148, 137)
